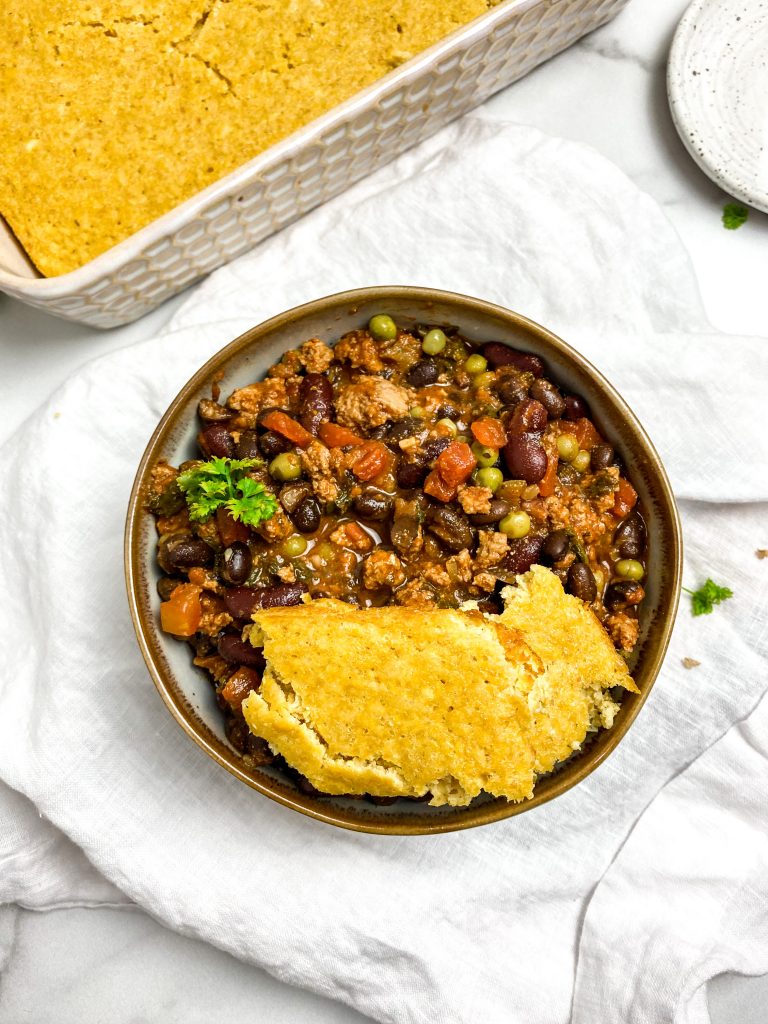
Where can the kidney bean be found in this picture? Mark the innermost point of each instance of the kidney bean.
(373, 505)
(422, 373)
(629, 537)
(216, 440)
(306, 515)
(622, 595)
(555, 546)
(247, 446)
(498, 354)
(403, 534)
(575, 408)
(451, 526)
(411, 474)
(239, 652)
(316, 401)
(529, 417)
(602, 457)
(292, 495)
(581, 582)
(499, 508)
(212, 412)
(549, 396)
(526, 458)
(186, 552)
(236, 563)
(242, 602)
(521, 554)
(272, 444)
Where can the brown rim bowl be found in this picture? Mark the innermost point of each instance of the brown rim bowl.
(187, 691)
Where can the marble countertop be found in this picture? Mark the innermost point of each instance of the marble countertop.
(607, 91)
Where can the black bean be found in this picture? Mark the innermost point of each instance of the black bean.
(549, 396)
(316, 401)
(166, 586)
(242, 602)
(512, 390)
(521, 554)
(581, 582)
(602, 457)
(247, 446)
(272, 444)
(212, 412)
(623, 594)
(434, 446)
(499, 508)
(238, 652)
(169, 501)
(575, 408)
(451, 526)
(448, 412)
(217, 441)
(306, 515)
(236, 563)
(502, 355)
(403, 534)
(403, 428)
(291, 495)
(373, 505)
(422, 373)
(411, 474)
(525, 458)
(379, 433)
(555, 546)
(187, 552)
(629, 537)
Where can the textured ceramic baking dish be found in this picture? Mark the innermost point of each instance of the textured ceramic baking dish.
(188, 693)
(309, 167)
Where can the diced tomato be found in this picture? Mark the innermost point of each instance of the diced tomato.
(626, 498)
(230, 529)
(436, 487)
(455, 463)
(585, 433)
(239, 685)
(489, 432)
(547, 484)
(287, 427)
(370, 459)
(182, 613)
(334, 436)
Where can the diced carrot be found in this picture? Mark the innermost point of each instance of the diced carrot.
(436, 487)
(287, 427)
(369, 459)
(455, 463)
(182, 613)
(586, 433)
(490, 432)
(334, 436)
(230, 530)
(239, 685)
(626, 498)
(547, 484)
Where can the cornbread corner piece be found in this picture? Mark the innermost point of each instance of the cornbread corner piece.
(396, 702)
(567, 700)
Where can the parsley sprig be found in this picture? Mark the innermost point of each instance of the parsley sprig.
(707, 596)
(222, 483)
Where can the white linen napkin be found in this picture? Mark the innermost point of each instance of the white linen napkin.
(480, 925)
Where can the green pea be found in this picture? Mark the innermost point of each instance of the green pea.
(489, 477)
(516, 524)
(382, 327)
(293, 545)
(567, 447)
(418, 412)
(485, 456)
(484, 380)
(475, 364)
(581, 462)
(286, 466)
(630, 569)
(447, 427)
(434, 342)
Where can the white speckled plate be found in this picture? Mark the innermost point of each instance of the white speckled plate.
(717, 81)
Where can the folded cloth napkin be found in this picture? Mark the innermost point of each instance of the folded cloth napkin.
(478, 925)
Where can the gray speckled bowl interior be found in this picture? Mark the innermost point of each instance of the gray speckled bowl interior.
(188, 692)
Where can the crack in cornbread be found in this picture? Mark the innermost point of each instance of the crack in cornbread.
(396, 701)
(114, 112)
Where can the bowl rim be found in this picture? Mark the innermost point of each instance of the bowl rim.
(485, 813)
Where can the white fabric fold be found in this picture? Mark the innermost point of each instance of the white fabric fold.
(481, 925)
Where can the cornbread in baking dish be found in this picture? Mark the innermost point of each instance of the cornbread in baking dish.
(116, 111)
(396, 701)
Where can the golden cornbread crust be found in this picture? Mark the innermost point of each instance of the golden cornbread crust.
(397, 701)
(114, 112)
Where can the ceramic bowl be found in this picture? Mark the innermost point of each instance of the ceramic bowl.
(188, 693)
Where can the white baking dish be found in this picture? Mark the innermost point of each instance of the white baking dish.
(309, 167)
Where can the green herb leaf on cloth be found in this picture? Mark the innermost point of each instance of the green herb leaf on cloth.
(707, 596)
(734, 215)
